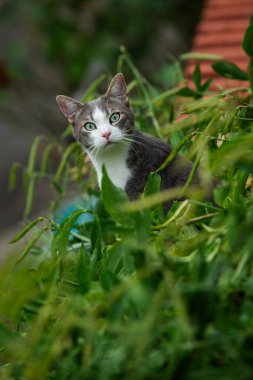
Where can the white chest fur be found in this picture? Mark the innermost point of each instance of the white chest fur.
(114, 158)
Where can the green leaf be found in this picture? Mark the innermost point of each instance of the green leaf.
(205, 86)
(175, 151)
(200, 56)
(94, 265)
(26, 229)
(31, 244)
(153, 184)
(30, 175)
(197, 77)
(89, 94)
(152, 187)
(114, 257)
(250, 70)
(248, 39)
(29, 195)
(238, 185)
(57, 187)
(107, 279)
(33, 153)
(128, 262)
(60, 240)
(221, 192)
(46, 155)
(229, 70)
(83, 271)
(113, 197)
(203, 103)
(5, 334)
(96, 237)
(13, 175)
(171, 113)
(71, 148)
(188, 92)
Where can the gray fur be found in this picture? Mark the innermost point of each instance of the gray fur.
(147, 156)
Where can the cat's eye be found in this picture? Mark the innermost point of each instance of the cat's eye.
(114, 117)
(90, 126)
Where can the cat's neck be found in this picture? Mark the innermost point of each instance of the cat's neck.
(115, 160)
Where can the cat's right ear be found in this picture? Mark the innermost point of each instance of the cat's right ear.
(68, 106)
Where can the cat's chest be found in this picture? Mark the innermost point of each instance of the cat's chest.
(115, 161)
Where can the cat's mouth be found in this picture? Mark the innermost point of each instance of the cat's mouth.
(110, 144)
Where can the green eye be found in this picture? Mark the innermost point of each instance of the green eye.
(90, 126)
(114, 117)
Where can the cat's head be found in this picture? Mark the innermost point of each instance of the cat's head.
(103, 122)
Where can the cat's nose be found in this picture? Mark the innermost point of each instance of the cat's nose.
(106, 135)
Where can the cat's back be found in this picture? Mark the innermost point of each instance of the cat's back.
(146, 154)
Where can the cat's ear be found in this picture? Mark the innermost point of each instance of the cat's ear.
(68, 106)
(117, 88)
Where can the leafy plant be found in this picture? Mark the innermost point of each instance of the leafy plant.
(128, 292)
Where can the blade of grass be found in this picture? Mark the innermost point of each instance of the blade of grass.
(13, 175)
(175, 151)
(141, 82)
(29, 195)
(31, 244)
(33, 153)
(27, 229)
(70, 149)
(60, 240)
(200, 56)
(158, 198)
(46, 155)
(90, 91)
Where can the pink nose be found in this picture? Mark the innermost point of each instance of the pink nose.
(106, 135)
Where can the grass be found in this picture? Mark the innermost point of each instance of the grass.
(117, 289)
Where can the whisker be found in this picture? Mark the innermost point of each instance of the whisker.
(135, 142)
(93, 150)
(79, 157)
(130, 147)
(96, 152)
(126, 141)
(131, 135)
(138, 138)
(91, 146)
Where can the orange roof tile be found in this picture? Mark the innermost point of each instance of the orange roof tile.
(221, 32)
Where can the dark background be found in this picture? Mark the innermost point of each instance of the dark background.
(51, 47)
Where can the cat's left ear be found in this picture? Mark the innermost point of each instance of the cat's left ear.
(117, 88)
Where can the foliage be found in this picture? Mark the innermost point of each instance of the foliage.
(129, 292)
(75, 35)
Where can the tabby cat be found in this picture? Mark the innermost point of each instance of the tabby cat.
(105, 127)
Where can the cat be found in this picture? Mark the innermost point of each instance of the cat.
(105, 127)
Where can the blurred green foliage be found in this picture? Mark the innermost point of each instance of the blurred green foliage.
(76, 34)
(130, 293)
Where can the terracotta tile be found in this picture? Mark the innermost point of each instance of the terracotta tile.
(239, 12)
(219, 38)
(220, 31)
(221, 26)
(227, 3)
